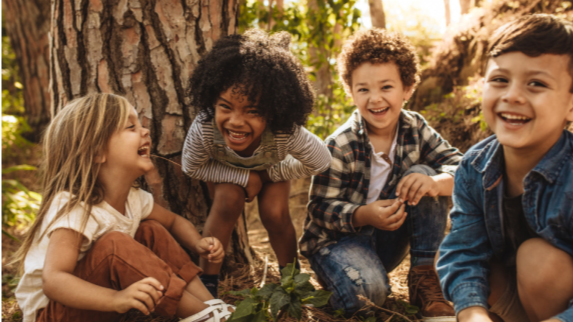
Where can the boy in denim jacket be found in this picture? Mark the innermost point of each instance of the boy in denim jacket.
(368, 210)
(510, 251)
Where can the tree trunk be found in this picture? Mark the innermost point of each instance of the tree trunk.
(145, 50)
(27, 24)
(465, 6)
(447, 12)
(377, 15)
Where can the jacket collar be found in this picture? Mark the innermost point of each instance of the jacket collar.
(490, 161)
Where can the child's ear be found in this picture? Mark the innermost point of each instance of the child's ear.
(408, 91)
(569, 114)
(100, 158)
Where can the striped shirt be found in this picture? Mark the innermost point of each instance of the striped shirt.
(302, 154)
(336, 193)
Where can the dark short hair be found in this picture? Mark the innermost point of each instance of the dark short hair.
(378, 46)
(260, 67)
(534, 35)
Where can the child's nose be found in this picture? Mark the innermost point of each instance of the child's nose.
(144, 132)
(513, 94)
(237, 119)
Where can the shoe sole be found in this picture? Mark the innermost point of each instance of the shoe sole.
(438, 319)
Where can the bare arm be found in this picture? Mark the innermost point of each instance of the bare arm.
(186, 234)
(61, 285)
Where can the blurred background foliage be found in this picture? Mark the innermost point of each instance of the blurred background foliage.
(19, 204)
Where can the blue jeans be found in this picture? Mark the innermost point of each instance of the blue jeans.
(359, 264)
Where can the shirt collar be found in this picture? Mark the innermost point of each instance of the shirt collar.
(490, 161)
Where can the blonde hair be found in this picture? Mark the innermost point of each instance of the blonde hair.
(78, 134)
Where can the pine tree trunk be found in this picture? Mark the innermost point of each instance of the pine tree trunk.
(145, 50)
(377, 15)
(27, 23)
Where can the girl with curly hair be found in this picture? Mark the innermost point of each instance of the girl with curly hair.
(252, 98)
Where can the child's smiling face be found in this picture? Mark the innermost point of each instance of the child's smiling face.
(378, 92)
(239, 122)
(527, 100)
(128, 149)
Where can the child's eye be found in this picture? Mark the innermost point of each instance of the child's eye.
(362, 90)
(498, 80)
(224, 106)
(253, 112)
(387, 87)
(536, 84)
(132, 126)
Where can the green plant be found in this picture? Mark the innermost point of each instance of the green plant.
(288, 298)
(19, 205)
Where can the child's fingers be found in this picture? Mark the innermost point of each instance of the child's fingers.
(414, 190)
(146, 299)
(403, 190)
(153, 282)
(138, 305)
(397, 224)
(421, 193)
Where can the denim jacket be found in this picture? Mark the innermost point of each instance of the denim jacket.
(477, 227)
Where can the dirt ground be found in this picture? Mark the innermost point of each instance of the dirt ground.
(243, 277)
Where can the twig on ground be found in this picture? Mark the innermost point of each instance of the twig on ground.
(370, 303)
(265, 271)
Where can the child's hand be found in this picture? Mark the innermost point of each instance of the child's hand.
(386, 214)
(211, 249)
(415, 186)
(143, 295)
(253, 186)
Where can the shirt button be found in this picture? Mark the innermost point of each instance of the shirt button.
(268, 154)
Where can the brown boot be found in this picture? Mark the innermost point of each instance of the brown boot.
(426, 293)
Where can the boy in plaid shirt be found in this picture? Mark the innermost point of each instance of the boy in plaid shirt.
(371, 206)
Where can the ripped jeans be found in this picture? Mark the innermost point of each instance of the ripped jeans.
(359, 264)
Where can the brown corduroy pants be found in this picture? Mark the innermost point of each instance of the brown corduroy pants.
(116, 261)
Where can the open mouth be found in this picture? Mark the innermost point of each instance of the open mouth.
(379, 111)
(144, 151)
(237, 136)
(514, 119)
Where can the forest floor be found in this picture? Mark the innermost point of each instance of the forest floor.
(242, 278)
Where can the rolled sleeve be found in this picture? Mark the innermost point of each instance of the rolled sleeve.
(469, 294)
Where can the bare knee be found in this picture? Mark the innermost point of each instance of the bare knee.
(541, 266)
(276, 221)
(230, 198)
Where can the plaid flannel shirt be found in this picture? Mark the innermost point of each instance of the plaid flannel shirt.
(336, 193)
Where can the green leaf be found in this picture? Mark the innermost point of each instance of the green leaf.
(318, 298)
(244, 308)
(289, 270)
(279, 299)
(18, 168)
(10, 236)
(370, 319)
(267, 291)
(339, 313)
(261, 316)
(295, 307)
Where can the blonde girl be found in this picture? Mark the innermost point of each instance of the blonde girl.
(100, 246)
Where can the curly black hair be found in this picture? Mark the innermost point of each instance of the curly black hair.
(260, 67)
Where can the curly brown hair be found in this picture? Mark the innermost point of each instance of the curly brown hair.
(378, 46)
(260, 67)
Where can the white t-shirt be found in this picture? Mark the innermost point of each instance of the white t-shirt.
(380, 169)
(104, 219)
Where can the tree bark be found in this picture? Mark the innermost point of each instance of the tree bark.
(447, 12)
(465, 6)
(27, 24)
(377, 15)
(145, 50)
